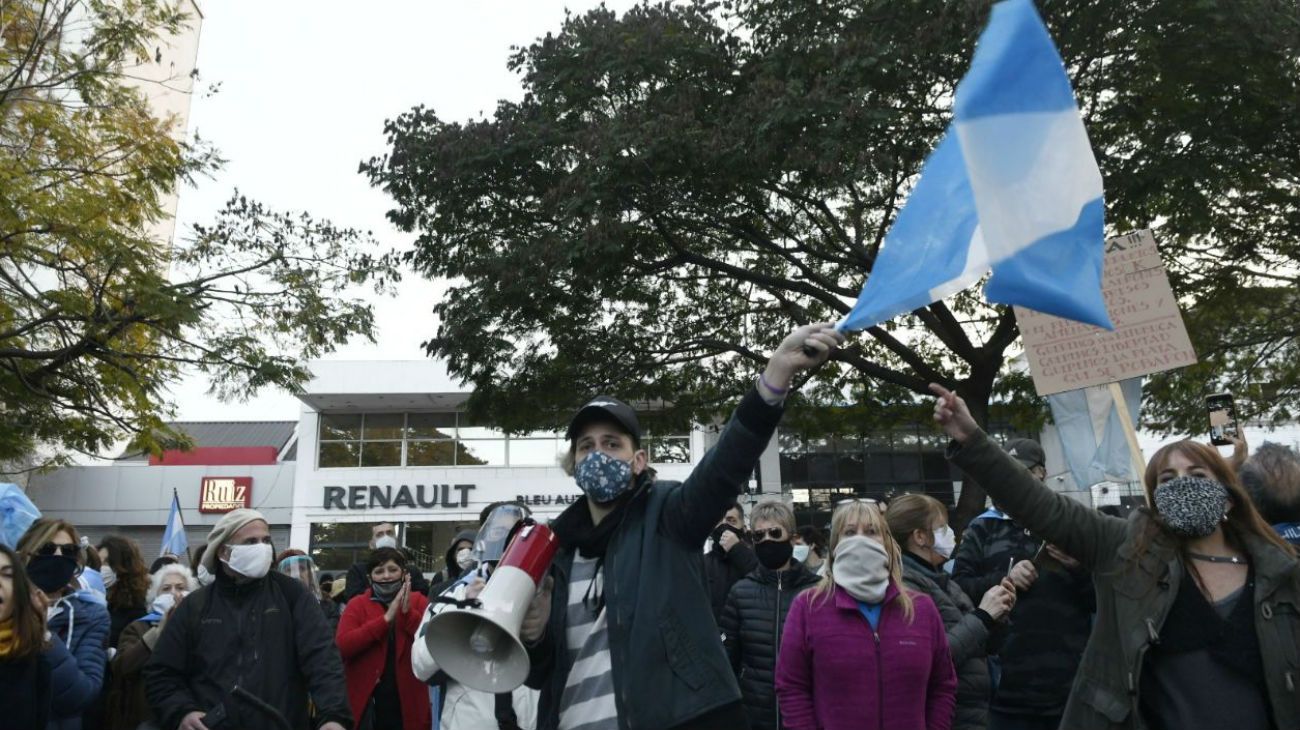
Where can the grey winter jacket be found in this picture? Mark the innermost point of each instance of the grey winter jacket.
(969, 636)
(1135, 592)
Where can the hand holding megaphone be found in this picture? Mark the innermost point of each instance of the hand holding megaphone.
(539, 613)
(479, 642)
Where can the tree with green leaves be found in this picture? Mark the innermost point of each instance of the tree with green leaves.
(682, 184)
(97, 317)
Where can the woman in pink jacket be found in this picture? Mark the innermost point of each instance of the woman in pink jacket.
(859, 651)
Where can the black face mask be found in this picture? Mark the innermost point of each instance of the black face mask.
(51, 573)
(385, 591)
(774, 555)
(724, 527)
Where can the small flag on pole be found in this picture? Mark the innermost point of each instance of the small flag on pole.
(1013, 186)
(174, 541)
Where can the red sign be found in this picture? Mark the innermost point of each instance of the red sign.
(223, 494)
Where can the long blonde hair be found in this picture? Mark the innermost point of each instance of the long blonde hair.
(865, 514)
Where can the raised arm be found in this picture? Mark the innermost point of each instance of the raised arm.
(1089, 536)
(693, 509)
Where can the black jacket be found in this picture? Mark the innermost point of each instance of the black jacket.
(358, 581)
(332, 612)
(723, 569)
(970, 634)
(752, 622)
(267, 636)
(1049, 626)
(122, 617)
(669, 668)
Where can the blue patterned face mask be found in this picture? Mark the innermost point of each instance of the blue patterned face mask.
(602, 477)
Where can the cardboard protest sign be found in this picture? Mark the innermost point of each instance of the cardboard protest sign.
(1149, 335)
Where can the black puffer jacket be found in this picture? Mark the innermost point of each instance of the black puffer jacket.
(970, 632)
(752, 621)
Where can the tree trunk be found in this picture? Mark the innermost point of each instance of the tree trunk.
(977, 394)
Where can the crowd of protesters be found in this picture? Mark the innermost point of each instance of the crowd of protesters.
(667, 607)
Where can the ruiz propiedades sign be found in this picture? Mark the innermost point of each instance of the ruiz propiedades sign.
(224, 494)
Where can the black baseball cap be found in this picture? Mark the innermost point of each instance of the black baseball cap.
(606, 408)
(1027, 452)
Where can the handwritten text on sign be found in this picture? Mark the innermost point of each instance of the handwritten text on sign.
(1149, 335)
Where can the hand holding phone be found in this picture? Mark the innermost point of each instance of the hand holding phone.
(1223, 419)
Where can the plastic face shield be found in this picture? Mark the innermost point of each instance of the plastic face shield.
(490, 543)
(303, 569)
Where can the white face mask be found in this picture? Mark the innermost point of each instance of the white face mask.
(862, 568)
(204, 577)
(465, 558)
(165, 601)
(945, 541)
(250, 561)
(800, 553)
(386, 541)
(109, 576)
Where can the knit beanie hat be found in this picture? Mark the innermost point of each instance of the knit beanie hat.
(230, 523)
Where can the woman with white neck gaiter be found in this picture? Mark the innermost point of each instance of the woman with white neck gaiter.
(859, 651)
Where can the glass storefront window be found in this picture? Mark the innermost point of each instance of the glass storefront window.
(335, 546)
(482, 452)
(670, 450)
(340, 453)
(383, 426)
(451, 439)
(535, 452)
(431, 453)
(381, 453)
(430, 425)
(340, 427)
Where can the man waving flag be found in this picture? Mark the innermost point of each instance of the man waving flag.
(1013, 186)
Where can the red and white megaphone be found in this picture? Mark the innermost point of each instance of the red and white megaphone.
(479, 646)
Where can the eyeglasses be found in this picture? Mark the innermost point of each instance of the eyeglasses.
(68, 549)
(771, 533)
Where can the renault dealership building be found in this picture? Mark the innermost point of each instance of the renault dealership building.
(373, 441)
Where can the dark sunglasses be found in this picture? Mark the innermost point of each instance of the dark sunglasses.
(67, 550)
(771, 533)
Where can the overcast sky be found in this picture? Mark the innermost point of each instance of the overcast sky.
(305, 88)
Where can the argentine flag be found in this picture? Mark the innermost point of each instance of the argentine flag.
(1013, 187)
(174, 541)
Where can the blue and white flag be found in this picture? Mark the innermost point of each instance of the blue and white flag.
(1092, 434)
(174, 541)
(1013, 186)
